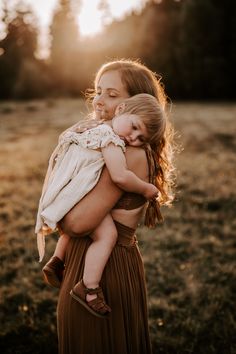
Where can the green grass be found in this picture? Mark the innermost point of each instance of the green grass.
(190, 260)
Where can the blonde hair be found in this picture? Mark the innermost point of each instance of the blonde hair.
(138, 79)
(150, 112)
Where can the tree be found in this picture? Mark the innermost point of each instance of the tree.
(207, 48)
(64, 46)
(19, 44)
(104, 7)
(160, 48)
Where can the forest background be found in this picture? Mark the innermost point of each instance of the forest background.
(190, 43)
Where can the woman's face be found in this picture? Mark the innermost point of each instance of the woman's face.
(110, 91)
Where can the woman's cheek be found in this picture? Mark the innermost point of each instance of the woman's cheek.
(111, 107)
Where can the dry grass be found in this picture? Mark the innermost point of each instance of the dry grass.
(190, 260)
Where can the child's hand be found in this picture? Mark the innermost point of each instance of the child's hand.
(151, 191)
(88, 124)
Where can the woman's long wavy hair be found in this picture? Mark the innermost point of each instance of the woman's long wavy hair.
(137, 78)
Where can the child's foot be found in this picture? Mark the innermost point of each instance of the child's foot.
(53, 271)
(97, 306)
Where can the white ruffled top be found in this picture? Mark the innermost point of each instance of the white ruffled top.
(74, 169)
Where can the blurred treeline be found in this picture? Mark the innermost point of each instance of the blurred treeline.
(190, 43)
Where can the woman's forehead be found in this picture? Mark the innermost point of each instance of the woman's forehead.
(111, 80)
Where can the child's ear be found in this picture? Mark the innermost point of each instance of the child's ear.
(120, 109)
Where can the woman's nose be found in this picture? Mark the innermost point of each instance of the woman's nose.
(99, 100)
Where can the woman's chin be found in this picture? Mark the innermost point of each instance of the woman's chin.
(102, 115)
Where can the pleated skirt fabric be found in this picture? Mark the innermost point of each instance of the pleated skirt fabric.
(123, 283)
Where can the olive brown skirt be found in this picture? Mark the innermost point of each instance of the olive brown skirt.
(125, 331)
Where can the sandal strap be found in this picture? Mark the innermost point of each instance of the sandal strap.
(92, 291)
(99, 305)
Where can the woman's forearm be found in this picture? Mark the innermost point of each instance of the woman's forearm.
(85, 216)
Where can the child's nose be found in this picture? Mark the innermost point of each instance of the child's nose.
(134, 136)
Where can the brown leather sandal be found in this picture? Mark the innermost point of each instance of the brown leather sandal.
(98, 306)
(53, 272)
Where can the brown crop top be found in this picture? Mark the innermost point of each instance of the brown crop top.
(130, 201)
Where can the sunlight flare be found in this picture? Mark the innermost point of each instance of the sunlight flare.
(89, 19)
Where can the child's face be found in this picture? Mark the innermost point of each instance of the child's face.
(130, 128)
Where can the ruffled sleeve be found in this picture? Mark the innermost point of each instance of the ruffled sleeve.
(108, 136)
(100, 137)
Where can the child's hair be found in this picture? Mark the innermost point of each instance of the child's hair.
(150, 112)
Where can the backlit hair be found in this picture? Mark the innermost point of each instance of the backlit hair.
(136, 77)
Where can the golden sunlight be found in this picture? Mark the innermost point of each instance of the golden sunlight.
(89, 19)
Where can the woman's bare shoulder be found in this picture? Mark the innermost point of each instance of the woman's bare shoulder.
(137, 161)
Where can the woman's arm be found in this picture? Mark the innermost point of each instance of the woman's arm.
(85, 216)
(91, 210)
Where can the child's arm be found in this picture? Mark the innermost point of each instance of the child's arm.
(124, 178)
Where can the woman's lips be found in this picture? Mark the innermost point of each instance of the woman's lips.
(100, 112)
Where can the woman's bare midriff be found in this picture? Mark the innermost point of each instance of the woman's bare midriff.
(130, 218)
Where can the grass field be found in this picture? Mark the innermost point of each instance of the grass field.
(190, 260)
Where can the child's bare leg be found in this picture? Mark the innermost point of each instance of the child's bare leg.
(104, 239)
(60, 250)
(87, 291)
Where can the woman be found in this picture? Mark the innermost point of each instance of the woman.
(123, 281)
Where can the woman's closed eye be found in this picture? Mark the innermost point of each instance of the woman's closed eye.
(112, 93)
(109, 94)
(134, 126)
